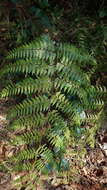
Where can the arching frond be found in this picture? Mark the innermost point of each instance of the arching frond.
(28, 86)
(30, 106)
(28, 122)
(69, 53)
(42, 48)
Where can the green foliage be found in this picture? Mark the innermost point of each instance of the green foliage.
(25, 19)
(58, 98)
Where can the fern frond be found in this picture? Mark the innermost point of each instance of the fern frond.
(54, 117)
(30, 153)
(71, 88)
(28, 86)
(42, 48)
(28, 122)
(61, 103)
(27, 138)
(46, 156)
(30, 106)
(72, 73)
(59, 134)
(42, 155)
(92, 117)
(26, 154)
(31, 68)
(69, 53)
(95, 104)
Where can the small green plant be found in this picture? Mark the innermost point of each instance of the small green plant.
(57, 99)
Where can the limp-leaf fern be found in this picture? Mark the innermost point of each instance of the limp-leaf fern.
(58, 97)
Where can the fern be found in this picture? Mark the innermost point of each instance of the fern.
(58, 95)
(28, 86)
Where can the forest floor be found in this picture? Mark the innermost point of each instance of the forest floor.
(93, 176)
